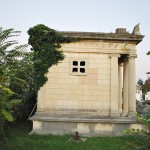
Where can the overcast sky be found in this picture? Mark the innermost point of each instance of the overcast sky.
(81, 15)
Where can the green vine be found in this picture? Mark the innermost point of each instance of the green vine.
(46, 47)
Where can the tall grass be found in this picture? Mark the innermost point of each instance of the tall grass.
(18, 139)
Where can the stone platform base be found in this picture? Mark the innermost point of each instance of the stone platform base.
(103, 126)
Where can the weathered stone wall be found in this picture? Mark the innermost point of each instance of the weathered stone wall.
(89, 92)
(65, 91)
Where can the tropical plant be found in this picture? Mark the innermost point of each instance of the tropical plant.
(10, 58)
(7, 105)
(23, 72)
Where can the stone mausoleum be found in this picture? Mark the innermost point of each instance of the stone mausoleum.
(92, 90)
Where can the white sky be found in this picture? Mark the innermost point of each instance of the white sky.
(81, 15)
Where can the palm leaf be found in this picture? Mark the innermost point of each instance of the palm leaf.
(14, 102)
(6, 115)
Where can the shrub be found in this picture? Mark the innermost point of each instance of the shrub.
(142, 137)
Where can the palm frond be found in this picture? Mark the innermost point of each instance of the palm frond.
(7, 115)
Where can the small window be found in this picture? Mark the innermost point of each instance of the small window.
(78, 67)
(75, 63)
(82, 63)
(82, 70)
(74, 69)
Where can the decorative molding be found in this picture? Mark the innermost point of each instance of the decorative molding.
(101, 45)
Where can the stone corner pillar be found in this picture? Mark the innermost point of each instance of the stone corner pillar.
(114, 110)
(41, 98)
(131, 85)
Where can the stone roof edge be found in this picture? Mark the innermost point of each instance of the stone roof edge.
(102, 36)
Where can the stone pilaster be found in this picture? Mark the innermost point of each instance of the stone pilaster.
(114, 111)
(41, 98)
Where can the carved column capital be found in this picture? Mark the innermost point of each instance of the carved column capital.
(131, 56)
(120, 64)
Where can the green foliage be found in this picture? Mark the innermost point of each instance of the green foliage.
(16, 72)
(142, 141)
(22, 73)
(140, 82)
(46, 44)
(145, 86)
(146, 102)
(148, 53)
(144, 121)
(6, 107)
(10, 58)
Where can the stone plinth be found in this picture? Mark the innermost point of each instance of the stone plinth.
(94, 125)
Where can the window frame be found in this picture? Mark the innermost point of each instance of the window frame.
(79, 66)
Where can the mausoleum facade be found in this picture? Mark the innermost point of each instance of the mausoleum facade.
(93, 89)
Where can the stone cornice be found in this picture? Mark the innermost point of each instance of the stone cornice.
(103, 36)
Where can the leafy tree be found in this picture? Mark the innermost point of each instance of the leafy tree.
(46, 51)
(6, 107)
(22, 73)
(10, 58)
(140, 82)
(146, 86)
(25, 91)
(148, 53)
